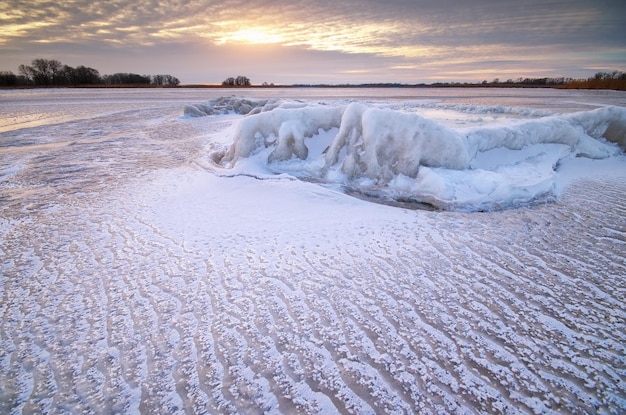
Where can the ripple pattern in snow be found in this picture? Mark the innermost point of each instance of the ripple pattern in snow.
(515, 312)
(133, 281)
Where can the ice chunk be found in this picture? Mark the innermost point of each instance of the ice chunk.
(391, 154)
(381, 144)
(580, 131)
(238, 105)
(551, 130)
(226, 105)
(608, 123)
(350, 131)
(290, 126)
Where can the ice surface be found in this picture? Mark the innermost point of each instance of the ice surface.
(137, 275)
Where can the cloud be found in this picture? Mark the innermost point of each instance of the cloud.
(424, 35)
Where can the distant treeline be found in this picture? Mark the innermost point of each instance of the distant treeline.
(45, 72)
(601, 80)
(51, 72)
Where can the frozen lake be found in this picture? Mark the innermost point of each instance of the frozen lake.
(150, 265)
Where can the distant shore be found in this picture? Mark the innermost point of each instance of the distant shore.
(616, 85)
(51, 73)
(574, 85)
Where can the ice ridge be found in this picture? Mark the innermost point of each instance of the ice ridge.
(408, 156)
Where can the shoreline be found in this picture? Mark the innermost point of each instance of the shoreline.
(577, 86)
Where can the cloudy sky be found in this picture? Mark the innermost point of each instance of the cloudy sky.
(320, 41)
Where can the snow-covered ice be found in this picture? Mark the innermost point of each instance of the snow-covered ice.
(399, 154)
(173, 251)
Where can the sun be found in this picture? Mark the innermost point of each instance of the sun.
(253, 36)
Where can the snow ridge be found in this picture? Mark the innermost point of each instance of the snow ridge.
(405, 156)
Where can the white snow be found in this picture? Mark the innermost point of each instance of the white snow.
(147, 268)
(289, 127)
(400, 155)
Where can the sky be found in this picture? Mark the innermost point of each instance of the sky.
(323, 41)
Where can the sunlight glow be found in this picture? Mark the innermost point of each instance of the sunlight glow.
(252, 36)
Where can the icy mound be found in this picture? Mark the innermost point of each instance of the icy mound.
(485, 109)
(608, 123)
(289, 127)
(381, 144)
(395, 156)
(236, 105)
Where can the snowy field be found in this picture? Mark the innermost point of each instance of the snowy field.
(452, 251)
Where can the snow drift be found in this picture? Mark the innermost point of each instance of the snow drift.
(396, 155)
(225, 105)
(244, 106)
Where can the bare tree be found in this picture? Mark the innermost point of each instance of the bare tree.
(86, 76)
(8, 78)
(26, 72)
(242, 81)
(239, 81)
(165, 80)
